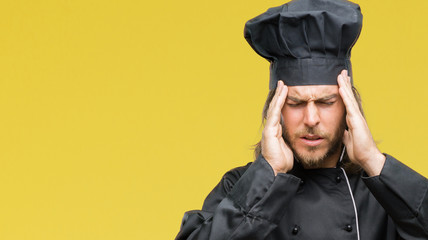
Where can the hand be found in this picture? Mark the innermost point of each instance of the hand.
(358, 140)
(274, 149)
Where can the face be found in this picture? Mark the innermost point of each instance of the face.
(314, 123)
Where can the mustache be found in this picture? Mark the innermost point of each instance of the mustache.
(312, 131)
(303, 132)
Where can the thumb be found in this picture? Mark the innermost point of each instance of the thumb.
(346, 137)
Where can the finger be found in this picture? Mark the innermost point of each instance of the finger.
(347, 89)
(282, 95)
(284, 147)
(276, 106)
(346, 138)
(347, 95)
(345, 74)
(347, 80)
(279, 131)
(278, 89)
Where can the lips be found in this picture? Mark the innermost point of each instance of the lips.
(311, 140)
(311, 137)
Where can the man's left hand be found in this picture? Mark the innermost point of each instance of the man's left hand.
(360, 146)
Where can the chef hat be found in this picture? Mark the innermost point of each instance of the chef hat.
(307, 42)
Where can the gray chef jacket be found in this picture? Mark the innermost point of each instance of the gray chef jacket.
(250, 202)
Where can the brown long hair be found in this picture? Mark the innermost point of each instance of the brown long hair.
(349, 166)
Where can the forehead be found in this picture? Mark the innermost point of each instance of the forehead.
(312, 91)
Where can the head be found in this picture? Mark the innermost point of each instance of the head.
(313, 123)
(310, 48)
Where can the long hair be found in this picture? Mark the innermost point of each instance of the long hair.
(349, 166)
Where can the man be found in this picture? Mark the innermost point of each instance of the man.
(318, 173)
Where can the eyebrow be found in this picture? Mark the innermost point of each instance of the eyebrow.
(325, 98)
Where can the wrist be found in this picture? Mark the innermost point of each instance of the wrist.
(374, 165)
(277, 168)
(279, 171)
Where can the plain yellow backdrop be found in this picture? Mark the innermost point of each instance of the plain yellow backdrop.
(119, 116)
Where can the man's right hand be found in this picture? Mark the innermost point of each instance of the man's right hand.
(276, 152)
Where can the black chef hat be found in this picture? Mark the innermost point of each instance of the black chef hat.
(307, 42)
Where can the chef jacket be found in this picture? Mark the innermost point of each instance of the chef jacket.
(250, 202)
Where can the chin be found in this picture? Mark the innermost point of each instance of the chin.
(311, 159)
(311, 163)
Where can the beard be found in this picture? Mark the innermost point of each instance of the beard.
(309, 157)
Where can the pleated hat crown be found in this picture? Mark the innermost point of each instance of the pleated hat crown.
(307, 42)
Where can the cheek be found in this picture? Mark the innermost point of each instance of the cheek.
(333, 116)
(292, 116)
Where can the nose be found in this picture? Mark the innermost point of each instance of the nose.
(312, 117)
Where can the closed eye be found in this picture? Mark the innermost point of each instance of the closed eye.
(327, 103)
(294, 104)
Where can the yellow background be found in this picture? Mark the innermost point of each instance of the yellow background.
(119, 116)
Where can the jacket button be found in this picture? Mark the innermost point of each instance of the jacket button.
(302, 182)
(348, 228)
(295, 230)
(338, 179)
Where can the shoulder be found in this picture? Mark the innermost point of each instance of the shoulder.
(224, 186)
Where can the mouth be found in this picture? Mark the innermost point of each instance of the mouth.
(311, 140)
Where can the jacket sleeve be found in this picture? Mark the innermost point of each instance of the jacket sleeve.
(248, 207)
(403, 194)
